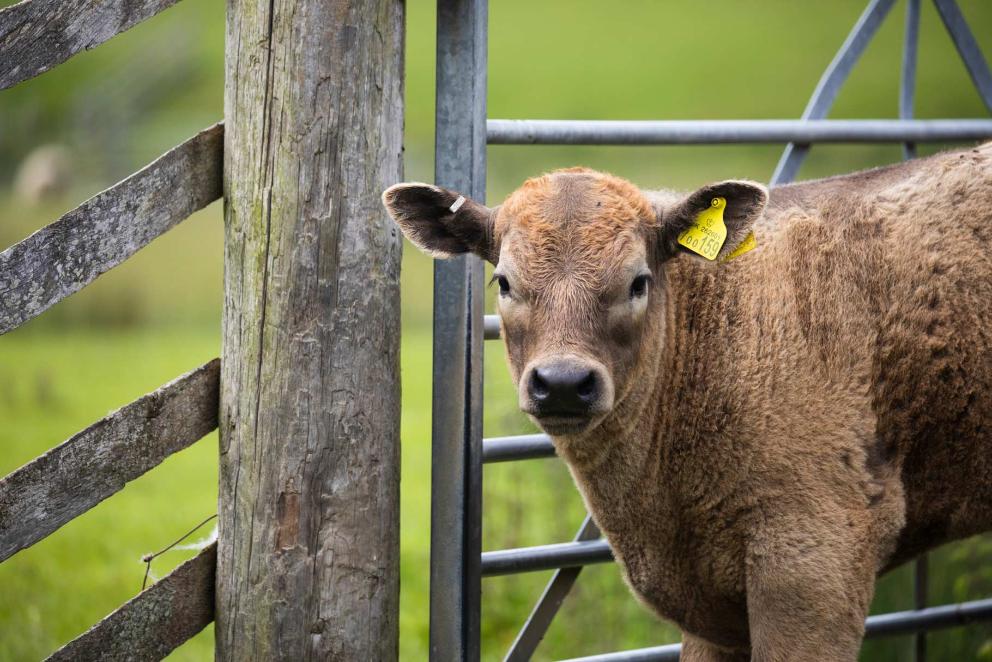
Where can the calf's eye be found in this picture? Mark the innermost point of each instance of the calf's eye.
(504, 285)
(639, 287)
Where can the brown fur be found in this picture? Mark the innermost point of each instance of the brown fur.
(784, 426)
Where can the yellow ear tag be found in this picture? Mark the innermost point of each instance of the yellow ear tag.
(749, 243)
(707, 233)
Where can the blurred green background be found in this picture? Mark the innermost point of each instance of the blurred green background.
(88, 123)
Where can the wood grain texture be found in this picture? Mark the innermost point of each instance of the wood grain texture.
(156, 621)
(309, 470)
(99, 234)
(36, 35)
(68, 480)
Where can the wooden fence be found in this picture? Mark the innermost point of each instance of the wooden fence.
(309, 299)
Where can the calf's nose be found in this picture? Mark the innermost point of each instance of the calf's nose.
(563, 389)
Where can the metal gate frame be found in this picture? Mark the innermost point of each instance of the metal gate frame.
(460, 326)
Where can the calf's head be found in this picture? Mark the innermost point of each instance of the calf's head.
(579, 262)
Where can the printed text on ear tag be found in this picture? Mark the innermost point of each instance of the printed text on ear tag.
(748, 244)
(707, 233)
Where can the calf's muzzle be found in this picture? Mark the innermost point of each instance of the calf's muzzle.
(565, 389)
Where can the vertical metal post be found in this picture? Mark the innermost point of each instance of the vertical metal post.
(907, 94)
(921, 586)
(907, 78)
(456, 489)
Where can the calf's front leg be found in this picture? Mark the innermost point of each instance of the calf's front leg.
(809, 584)
(695, 649)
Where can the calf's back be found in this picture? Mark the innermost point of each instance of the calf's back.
(883, 281)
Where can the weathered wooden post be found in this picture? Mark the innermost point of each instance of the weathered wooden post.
(309, 427)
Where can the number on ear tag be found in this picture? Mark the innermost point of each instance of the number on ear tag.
(707, 233)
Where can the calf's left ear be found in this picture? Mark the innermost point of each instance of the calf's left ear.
(440, 222)
(746, 201)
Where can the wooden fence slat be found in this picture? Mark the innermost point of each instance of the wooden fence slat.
(37, 35)
(156, 621)
(90, 466)
(99, 234)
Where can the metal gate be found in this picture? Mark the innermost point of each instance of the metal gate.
(460, 326)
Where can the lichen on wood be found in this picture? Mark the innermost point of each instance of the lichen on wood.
(156, 621)
(68, 254)
(90, 466)
(36, 35)
(308, 548)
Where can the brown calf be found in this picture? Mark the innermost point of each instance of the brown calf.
(758, 438)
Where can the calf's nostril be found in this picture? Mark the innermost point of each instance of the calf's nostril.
(538, 387)
(587, 387)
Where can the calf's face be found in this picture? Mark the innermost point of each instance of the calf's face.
(579, 265)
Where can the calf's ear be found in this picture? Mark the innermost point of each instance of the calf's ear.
(746, 201)
(440, 222)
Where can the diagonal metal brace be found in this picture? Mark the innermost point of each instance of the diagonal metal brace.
(830, 83)
(549, 603)
(967, 47)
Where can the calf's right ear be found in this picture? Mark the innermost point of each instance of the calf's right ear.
(440, 222)
(745, 202)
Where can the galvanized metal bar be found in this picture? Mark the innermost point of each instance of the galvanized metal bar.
(522, 447)
(907, 78)
(931, 618)
(669, 653)
(549, 603)
(545, 557)
(830, 83)
(967, 47)
(491, 327)
(456, 490)
(882, 625)
(718, 132)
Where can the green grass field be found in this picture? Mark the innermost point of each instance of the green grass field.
(158, 315)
